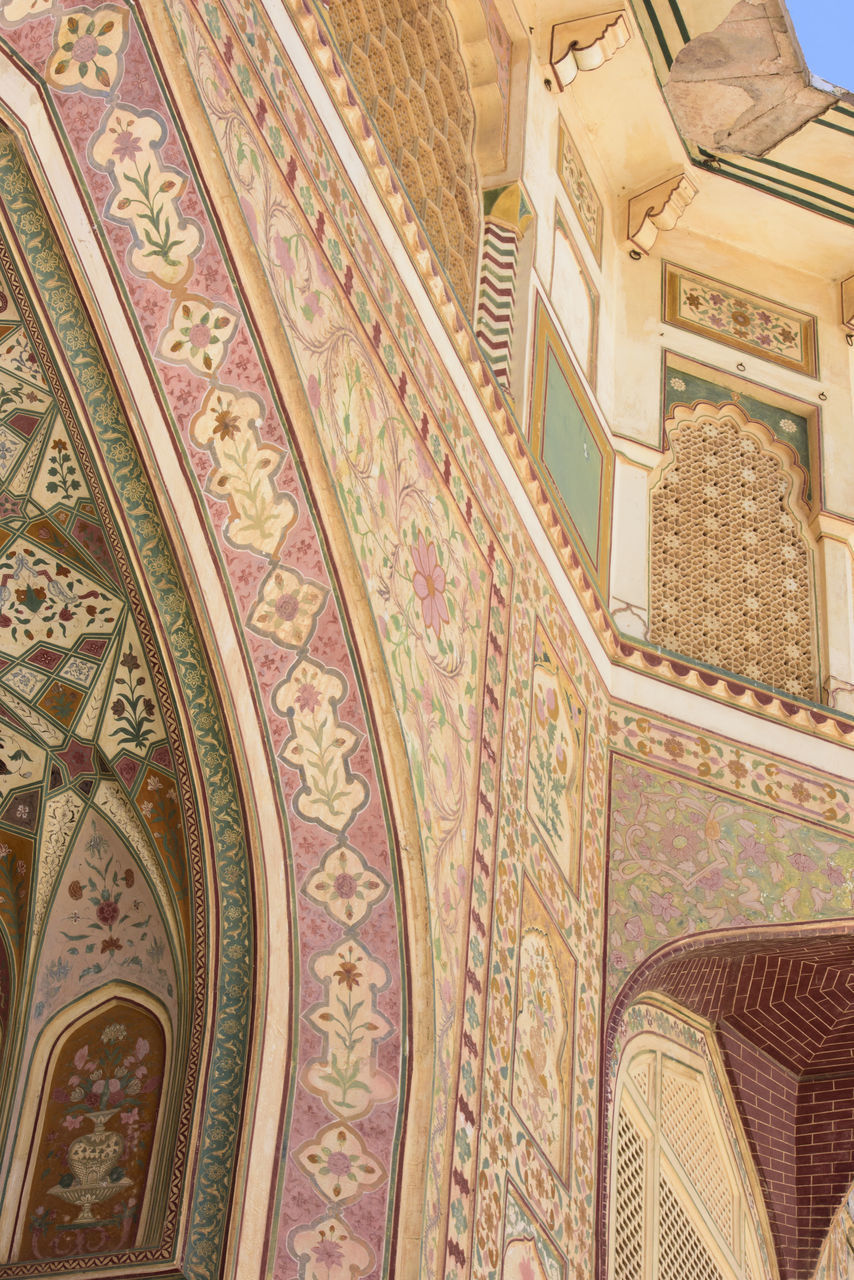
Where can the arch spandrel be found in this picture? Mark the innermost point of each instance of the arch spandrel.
(112, 740)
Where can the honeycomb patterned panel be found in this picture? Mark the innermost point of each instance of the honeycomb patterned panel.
(405, 60)
(729, 569)
(681, 1252)
(629, 1208)
(686, 1125)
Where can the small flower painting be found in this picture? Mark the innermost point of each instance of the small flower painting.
(198, 334)
(428, 583)
(88, 49)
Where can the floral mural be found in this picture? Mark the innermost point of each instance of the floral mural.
(88, 1177)
(556, 757)
(545, 1015)
(501, 712)
(685, 858)
(103, 859)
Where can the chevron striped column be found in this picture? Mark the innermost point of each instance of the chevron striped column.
(507, 217)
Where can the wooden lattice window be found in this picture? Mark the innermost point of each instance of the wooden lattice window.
(730, 560)
(629, 1224)
(679, 1200)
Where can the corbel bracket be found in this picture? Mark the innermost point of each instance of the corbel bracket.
(658, 209)
(585, 44)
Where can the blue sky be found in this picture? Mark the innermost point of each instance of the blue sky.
(826, 31)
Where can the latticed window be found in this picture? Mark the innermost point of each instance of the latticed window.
(405, 60)
(679, 1203)
(730, 562)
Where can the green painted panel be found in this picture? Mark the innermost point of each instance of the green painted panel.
(572, 456)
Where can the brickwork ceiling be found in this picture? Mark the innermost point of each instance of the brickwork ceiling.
(785, 1018)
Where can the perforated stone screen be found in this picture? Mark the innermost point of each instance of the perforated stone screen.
(405, 60)
(729, 565)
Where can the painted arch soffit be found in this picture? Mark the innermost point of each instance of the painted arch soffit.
(346, 865)
(111, 738)
(413, 508)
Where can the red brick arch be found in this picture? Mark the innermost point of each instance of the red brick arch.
(783, 1009)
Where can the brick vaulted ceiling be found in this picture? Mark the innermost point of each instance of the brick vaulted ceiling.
(785, 1020)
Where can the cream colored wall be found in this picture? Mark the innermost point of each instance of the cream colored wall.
(620, 124)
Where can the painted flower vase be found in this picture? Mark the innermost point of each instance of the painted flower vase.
(91, 1157)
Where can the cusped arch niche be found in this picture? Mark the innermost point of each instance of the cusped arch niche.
(731, 558)
(119, 818)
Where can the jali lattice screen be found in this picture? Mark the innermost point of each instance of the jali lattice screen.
(730, 565)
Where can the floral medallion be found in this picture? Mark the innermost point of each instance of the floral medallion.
(88, 50)
(340, 1164)
(288, 607)
(345, 886)
(198, 334)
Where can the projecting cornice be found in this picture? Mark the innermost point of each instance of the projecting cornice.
(744, 86)
(745, 102)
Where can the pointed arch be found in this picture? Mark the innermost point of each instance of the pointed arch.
(778, 1008)
(103, 1065)
(683, 1192)
(115, 690)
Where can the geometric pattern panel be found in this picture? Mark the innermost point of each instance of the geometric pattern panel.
(497, 299)
(681, 1252)
(507, 217)
(407, 66)
(729, 566)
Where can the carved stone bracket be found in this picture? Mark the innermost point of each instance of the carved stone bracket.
(586, 44)
(658, 209)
